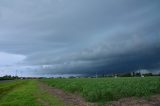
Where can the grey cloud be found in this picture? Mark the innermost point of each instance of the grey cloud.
(82, 36)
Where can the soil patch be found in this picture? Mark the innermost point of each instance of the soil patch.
(151, 101)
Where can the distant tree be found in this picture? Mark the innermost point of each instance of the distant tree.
(72, 77)
(137, 74)
(8, 77)
(125, 75)
(148, 74)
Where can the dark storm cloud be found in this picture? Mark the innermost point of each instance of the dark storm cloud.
(87, 36)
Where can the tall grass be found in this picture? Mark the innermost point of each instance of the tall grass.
(108, 89)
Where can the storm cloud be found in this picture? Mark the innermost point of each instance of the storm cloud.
(81, 36)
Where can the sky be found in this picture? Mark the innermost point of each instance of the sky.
(78, 37)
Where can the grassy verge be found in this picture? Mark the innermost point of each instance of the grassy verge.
(5, 87)
(108, 89)
(26, 93)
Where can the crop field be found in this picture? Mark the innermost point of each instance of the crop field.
(77, 91)
(108, 89)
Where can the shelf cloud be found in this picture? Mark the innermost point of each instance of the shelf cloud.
(80, 36)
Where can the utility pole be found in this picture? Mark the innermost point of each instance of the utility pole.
(96, 75)
(16, 74)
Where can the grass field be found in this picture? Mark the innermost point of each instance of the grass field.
(108, 89)
(25, 93)
(98, 90)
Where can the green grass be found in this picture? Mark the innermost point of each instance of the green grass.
(108, 89)
(26, 93)
(5, 87)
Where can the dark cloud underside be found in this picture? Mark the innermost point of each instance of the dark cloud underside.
(82, 37)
